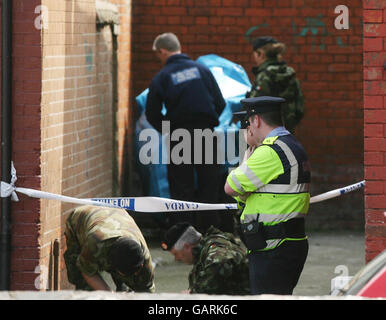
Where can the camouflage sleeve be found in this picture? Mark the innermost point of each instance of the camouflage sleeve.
(262, 86)
(211, 278)
(90, 257)
(142, 281)
(71, 255)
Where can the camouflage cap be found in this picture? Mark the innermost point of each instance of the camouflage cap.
(173, 235)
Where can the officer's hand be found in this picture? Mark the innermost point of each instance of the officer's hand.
(248, 153)
(245, 196)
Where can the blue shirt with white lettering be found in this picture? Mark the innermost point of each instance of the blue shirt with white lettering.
(189, 92)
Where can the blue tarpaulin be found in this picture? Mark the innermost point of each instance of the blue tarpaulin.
(233, 82)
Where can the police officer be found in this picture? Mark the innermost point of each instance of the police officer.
(108, 240)
(193, 100)
(273, 182)
(219, 259)
(274, 78)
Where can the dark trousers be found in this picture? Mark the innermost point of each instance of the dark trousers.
(277, 271)
(196, 183)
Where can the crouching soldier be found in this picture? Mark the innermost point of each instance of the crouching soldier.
(219, 259)
(106, 240)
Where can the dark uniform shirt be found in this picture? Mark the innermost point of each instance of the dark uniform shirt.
(220, 265)
(190, 94)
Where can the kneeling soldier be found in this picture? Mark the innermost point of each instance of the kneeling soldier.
(220, 264)
(106, 240)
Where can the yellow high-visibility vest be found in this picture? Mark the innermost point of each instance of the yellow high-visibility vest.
(278, 175)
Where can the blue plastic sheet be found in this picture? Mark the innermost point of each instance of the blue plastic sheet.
(153, 175)
(233, 82)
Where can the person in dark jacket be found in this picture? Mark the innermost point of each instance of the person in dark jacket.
(273, 77)
(193, 100)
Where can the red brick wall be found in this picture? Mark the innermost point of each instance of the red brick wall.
(374, 48)
(26, 116)
(328, 63)
(62, 124)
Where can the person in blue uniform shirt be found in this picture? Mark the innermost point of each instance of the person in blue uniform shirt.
(193, 100)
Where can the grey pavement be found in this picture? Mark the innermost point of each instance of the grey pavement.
(329, 252)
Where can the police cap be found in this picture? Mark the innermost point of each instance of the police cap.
(262, 41)
(173, 234)
(258, 105)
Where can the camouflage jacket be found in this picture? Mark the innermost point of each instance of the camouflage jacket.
(274, 78)
(90, 232)
(220, 265)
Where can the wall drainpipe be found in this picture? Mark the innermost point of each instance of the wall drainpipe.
(6, 139)
(56, 255)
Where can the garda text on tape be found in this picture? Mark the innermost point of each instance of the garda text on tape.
(156, 204)
(147, 204)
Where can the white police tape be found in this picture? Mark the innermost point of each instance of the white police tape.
(152, 204)
(337, 192)
(141, 204)
(146, 204)
(157, 204)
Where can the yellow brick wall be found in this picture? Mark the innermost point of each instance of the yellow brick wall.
(77, 115)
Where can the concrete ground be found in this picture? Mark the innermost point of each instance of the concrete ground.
(328, 253)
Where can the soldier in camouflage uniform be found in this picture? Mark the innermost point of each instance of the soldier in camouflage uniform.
(275, 78)
(220, 264)
(106, 240)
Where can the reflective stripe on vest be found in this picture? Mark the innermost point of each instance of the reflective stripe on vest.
(274, 203)
(251, 175)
